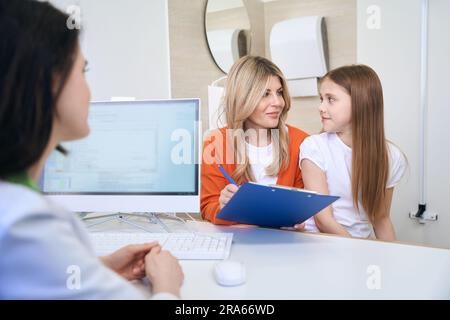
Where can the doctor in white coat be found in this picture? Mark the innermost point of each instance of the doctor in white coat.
(45, 252)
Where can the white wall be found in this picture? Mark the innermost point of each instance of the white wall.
(127, 45)
(438, 166)
(394, 52)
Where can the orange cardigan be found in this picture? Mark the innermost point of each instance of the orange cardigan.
(213, 181)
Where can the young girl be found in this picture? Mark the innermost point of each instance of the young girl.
(352, 158)
(256, 145)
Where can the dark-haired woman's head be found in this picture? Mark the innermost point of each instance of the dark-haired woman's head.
(44, 94)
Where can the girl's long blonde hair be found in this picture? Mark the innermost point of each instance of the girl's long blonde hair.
(370, 162)
(246, 84)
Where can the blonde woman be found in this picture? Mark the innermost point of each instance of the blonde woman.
(256, 145)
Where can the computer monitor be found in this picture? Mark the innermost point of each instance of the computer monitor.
(140, 156)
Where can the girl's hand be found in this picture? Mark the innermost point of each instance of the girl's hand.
(300, 227)
(226, 194)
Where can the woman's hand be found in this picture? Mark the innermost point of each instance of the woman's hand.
(226, 194)
(129, 261)
(163, 271)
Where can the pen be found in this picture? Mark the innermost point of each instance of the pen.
(227, 175)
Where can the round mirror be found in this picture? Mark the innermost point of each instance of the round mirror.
(227, 27)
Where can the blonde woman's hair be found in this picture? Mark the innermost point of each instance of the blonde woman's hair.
(246, 85)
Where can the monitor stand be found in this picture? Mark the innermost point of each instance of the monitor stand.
(124, 217)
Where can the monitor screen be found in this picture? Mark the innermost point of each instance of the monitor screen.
(141, 148)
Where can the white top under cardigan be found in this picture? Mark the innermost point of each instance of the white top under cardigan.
(260, 158)
(40, 247)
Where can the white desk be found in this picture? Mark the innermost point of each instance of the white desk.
(292, 265)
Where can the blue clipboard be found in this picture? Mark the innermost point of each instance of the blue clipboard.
(273, 206)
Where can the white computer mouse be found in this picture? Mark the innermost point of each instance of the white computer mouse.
(229, 273)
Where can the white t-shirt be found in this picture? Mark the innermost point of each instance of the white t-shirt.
(334, 158)
(260, 158)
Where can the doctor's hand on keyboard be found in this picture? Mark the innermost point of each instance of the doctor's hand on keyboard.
(184, 246)
(164, 271)
(134, 262)
(129, 261)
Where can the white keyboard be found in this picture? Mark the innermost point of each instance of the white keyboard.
(184, 246)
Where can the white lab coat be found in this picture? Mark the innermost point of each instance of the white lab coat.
(45, 253)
